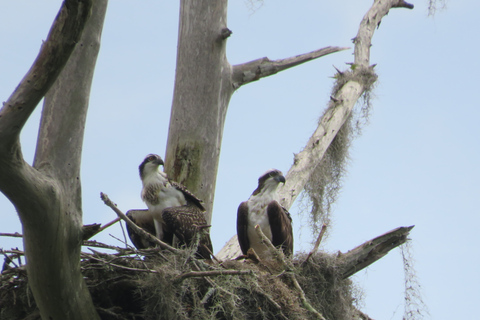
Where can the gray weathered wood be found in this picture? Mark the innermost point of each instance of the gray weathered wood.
(47, 195)
(371, 251)
(204, 84)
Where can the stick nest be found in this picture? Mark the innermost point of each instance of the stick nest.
(153, 284)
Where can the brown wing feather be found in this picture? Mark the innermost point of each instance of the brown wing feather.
(144, 220)
(281, 226)
(190, 197)
(184, 222)
(242, 226)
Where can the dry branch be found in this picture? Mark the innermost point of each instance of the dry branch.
(93, 257)
(54, 53)
(90, 230)
(264, 67)
(276, 253)
(317, 243)
(134, 227)
(303, 298)
(213, 273)
(372, 250)
(280, 257)
(13, 235)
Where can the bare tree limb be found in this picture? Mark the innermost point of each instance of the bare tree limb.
(372, 250)
(264, 67)
(133, 226)
(54, 53)
(343, 101)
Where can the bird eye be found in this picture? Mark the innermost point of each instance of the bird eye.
(151, 158)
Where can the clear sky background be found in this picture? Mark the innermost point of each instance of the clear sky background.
(415, 164)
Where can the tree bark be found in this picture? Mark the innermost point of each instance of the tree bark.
(201, 96)
(47, 196)
(204, 84)
(371, 251)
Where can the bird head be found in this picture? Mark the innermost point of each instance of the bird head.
(270, 180)
(150, 164)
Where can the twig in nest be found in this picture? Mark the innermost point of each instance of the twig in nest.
(90, 256)
(317, 244)
(14, 235)
(96, 244)
(207, 296)
(211, 253)
(305, 303)
(13, 251)
(134, 227)
(278, 254)
(105, 226)
(260, 291)
(252, 255)
(212, 273)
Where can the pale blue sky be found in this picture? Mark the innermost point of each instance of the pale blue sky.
(416, 162)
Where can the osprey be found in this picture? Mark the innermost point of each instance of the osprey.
(262, 208)
(174, 209)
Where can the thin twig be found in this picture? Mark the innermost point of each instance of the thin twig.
(317, 244)
(304, 300)
(116, 265)
(278, 254)
(9, 260)
(105, 226)
(134, 227)
(14, 251)
(14, 235)
(212, 273)
(96, 244)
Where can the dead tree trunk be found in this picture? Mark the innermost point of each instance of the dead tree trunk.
(204, 84)
(47, 195)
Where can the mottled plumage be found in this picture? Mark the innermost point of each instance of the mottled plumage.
(173, 208)
(262, 208)
(144, 220)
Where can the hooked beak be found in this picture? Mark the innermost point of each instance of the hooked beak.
(280, 178)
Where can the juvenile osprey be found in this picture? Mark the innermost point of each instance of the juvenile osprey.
(262, 208)
(175, 210)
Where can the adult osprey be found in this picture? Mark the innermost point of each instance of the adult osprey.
(174, 209)
(262, 208)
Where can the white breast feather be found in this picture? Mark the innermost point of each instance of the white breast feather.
(257, 214)
(168, 196)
